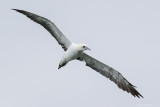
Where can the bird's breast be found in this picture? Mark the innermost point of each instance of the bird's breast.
(72, 53)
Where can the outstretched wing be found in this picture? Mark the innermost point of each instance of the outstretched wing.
(110, 73)
(49, 26)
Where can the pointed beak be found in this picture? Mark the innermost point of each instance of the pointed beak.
(87, 48)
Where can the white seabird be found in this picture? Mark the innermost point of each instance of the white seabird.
(76, 51)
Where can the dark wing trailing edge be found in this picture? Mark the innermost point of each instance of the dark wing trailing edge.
(103, 69)
(110, 73)
(49, 26)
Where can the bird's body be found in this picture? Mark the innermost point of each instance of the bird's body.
(76, 51)
(73, 52)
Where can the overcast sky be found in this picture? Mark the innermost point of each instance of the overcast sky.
(123, 34)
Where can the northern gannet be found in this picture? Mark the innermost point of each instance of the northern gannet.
(76, 51)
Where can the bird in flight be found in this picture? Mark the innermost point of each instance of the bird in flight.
(76, 51)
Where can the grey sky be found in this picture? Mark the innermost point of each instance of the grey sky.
(123, 34)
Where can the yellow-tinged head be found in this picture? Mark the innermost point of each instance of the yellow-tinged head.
(83, 47)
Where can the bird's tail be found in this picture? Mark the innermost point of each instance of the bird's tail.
(61, 65)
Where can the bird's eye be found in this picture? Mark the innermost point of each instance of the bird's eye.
(84, 46)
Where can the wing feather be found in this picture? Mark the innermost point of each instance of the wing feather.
(49, 26)
(110, 73)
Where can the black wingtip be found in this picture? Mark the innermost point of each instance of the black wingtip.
(15, 9)
(135, 93)
(18, 10)
(59, 67)
(140, 96)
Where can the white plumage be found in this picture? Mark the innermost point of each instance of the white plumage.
(75, 51)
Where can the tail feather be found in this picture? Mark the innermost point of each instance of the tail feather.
(61, 65)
